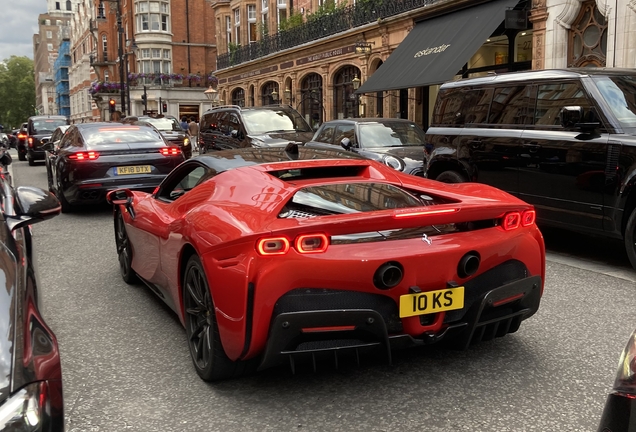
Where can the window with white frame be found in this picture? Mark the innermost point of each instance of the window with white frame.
(156, 64)
(152, 16)
(237, 26)
(49, 34)
(228, 29)
(282, 15)
(251, 23)
(145, 53)
(105, 47)
(166, 54)
(281, 4)
(106, 76)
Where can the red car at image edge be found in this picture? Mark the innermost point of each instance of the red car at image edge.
(285, 255)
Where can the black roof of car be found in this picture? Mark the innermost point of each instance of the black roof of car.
(546, 74)
(369, 120)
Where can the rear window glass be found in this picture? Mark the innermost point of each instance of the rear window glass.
(123, 135)
(353, 198)
(164, 124)
(46, 125)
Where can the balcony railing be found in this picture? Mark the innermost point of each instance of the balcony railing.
(337, 21)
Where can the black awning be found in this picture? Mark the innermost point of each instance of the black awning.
(435, 50)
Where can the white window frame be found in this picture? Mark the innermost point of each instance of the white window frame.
(251, 13)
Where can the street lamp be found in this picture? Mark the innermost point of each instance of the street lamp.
(288, 94)
(274, 95)
(355, 82)
(212, 95)
(120, 48)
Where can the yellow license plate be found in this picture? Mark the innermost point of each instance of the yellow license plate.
(431, 302)
(137, 169)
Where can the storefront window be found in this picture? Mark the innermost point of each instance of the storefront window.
(345, 100)
(311, 106)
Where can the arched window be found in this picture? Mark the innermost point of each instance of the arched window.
(105, 47)
(69, 6)
(270, 93)
(238, 97)
(311, 99)
(345, 101)
(587, 44)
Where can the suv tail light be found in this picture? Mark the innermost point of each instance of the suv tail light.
(90, 155)
(30, 141)
(21, 136)
(170, 151)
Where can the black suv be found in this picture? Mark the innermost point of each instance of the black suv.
(232, 126)
(562, 140)
(39, 130)
(170, 129)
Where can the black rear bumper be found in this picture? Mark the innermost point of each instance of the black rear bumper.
(619, 414)
(306, 333)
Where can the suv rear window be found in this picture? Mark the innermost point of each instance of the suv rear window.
(46, 125)
(261, 121)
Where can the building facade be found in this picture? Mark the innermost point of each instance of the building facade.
(322, 52)
(158, 49)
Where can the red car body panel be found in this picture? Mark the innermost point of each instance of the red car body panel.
(222, 218)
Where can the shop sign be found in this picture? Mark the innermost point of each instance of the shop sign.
(516, 19)
(325, 55)
(253, 73)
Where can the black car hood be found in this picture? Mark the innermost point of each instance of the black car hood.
(281, 139)
(7, 320)
(413, 156)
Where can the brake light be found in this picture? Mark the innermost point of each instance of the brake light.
(528, 218)
(273, 246)
(511, 221)
(30, 141)
(170, 151)
(21, 136)
(90, 155)
(311, 243)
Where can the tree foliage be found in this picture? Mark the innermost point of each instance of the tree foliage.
(17, 91)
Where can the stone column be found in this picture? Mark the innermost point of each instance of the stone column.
(538, 18)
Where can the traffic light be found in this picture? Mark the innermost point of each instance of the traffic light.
(111, 105)
(165, 107)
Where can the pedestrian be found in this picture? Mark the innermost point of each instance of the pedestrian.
(184, 123)
(193, 130)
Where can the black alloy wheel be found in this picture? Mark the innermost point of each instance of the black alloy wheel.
(630, 238)
(209, 359)
(124, 251)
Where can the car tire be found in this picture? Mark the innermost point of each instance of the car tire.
(66, 206)
(451, 177)
(630, 238)
(124, 251)
(208, 357)
(31, 161)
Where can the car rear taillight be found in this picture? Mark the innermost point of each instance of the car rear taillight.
(170, 151)
(21, 136)
(273, 246)
(30, 141)
(304, 244)
(311, 243)
(81, 156)
(514, 220)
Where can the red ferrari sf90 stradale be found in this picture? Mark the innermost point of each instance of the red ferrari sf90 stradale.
(272, 255)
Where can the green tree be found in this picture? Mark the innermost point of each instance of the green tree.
(17, 91)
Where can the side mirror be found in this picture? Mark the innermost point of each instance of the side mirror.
(234, 133)
(346, 143)
(35, 204)
(49, 146)
(571, 116)
(123, 197)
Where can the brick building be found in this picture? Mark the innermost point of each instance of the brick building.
(165, 50)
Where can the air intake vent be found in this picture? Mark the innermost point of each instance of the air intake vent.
(319, 172)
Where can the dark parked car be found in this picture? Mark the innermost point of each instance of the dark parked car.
(39, 130)
(170, 129)
(94, 158)
(620, 407)
(394, 142)
(562, 140)
(55, 140)
(21, 142)
(231, 126)
(30, 373)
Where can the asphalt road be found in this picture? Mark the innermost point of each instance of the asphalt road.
(126, 364)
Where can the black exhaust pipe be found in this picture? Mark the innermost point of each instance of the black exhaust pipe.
(469, 264)
(388, 275)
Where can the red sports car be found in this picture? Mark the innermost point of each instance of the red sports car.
(269, 255)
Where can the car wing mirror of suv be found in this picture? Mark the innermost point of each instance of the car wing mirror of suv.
(575, 117)
(346, 143)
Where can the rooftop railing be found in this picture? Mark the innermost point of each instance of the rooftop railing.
(318, 26)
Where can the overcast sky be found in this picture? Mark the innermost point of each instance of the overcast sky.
(18, 24)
